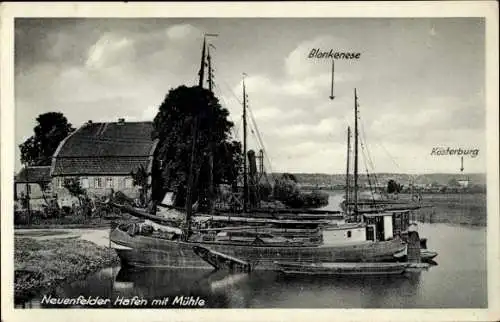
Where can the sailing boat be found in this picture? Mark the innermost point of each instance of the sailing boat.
(138, 245)
(379, 225)
(366, 203)
(383, 219)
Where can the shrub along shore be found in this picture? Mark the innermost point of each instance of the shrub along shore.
(44, 264)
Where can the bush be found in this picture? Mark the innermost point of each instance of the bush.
(41, 264)
(265, 191)
(307, 200)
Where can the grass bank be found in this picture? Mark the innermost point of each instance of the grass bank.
(456, 208)
(44, 264)
(452, 208)
(69, 221)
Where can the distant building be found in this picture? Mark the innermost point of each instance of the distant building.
(102, 156)
(464, 183)
(30, 181)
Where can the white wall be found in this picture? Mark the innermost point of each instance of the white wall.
(35, 190)
(118, 184)
(388, 227)
(339, 236)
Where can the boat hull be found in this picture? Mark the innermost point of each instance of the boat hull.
(343, 268)
(145, 251)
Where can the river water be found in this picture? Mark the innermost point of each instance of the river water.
(459, 280)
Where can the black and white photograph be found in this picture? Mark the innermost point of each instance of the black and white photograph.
(186, 162)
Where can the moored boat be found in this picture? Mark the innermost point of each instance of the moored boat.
(151, 251)
(351, 268)
(427, 255)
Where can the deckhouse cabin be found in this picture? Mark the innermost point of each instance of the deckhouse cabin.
(385, 225)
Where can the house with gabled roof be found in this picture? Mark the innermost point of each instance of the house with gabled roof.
(31, 180)
(102, 156)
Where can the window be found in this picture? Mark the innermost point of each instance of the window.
(60, 182)
(349, 234)
(109, 182)
(129, 183)
(98, 183)
(84, 182)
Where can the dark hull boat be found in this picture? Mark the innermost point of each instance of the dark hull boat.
(149, 251)
(426, 256)
(342, 268)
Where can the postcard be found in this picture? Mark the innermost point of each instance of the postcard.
(250, 161)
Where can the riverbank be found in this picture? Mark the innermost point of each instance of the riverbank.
(468, 209)
(45, 259)
(21, 221)
(456, 209)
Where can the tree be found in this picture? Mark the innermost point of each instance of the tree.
(50, 130)
(140, 179)
(75, 189)
(289, 177)
(173, 128)
(453, 182)
(44, 188)
(286, 190)
(393, 187)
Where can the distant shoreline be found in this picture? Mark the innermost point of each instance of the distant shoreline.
(382, 178)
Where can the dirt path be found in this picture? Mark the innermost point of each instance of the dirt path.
(99, 237)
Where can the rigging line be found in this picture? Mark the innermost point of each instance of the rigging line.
(362, 126)
(367, 157)
(367, 172)
(378, 142)
(256, 130)
(390, 156)
(231, 91)
(373, 175)
(261, 142)
(368, 154)
(255, 133)
(225, 104)
(237, 128)
(266, 156)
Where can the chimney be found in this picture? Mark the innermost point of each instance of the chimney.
(121, 121)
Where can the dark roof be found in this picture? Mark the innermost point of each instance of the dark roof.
(102, 166)
(105, 148)
(34, 174)
(109, 139)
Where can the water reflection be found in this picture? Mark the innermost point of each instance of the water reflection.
(259, 289)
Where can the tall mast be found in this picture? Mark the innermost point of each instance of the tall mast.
(209, 60)
(355, 152)
(211, 194)
(201, 73)
(245, 179)
(347, 169)
(261, 162)
(194, 135)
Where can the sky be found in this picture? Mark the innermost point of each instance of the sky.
(420, 83)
